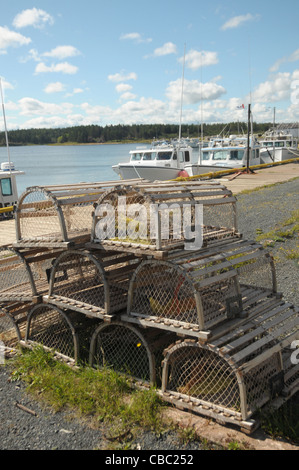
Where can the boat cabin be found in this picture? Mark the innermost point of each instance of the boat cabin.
(229, 156)
(8, 185)
(170, 156)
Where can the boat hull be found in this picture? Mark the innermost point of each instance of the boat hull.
(151, 173)
(280, 155)
(197, 169)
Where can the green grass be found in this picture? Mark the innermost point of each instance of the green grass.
(288, 229)
(104, 395)
(109, 400)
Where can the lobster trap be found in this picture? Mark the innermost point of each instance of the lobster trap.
(230, 379)
(130, 351)
(24, 276)
(13, 321)
(154, 218)
(64, 332)
(194, 293)
(57, 216)
(92, 283)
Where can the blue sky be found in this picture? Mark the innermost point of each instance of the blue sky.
(66, 63)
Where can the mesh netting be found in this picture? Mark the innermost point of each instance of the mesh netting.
(38, 218)
(83, 277)
(200, 373)
(16, 281)
(124, 349)
(160, 217)
(50, 327)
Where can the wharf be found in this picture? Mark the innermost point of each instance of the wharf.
(234, 182)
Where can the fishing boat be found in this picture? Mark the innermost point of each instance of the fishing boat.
(278, 145)
(8, 173)
(224, 154)
(8, 187)
(161, 163)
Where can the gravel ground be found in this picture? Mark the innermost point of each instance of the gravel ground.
(20, 430)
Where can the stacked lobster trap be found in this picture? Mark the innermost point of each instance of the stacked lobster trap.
(155, 281)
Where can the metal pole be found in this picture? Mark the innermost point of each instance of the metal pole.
(5, 127)
(248, 137)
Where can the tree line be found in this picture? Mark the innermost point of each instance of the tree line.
(94, 134)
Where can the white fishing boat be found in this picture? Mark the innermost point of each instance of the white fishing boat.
(8, 173)
(224, 154)
(157, 163)
(278, 145)
(8, 186)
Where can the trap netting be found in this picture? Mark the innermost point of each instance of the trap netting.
(57, 215)
(93, 283)
(13, 321)
(65, 332)
(152, 216)
(24, 275)
(130, 351)
(199, 289)
(237, 374)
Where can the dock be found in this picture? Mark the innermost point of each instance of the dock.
(234, 182)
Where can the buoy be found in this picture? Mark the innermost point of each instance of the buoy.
(183, 174)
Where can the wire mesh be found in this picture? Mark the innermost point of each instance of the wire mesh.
(191, 293)
(37, 217)
(51, 328)
(163, 217)
(199, 373)
(13, 321)
(16, 281)
(92, 280)
(124, 349)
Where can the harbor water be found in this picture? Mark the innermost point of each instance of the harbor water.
(47, 165)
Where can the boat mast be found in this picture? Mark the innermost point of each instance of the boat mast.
(182, 93)
(5, 127)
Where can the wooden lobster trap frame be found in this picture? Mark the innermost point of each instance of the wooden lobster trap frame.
(13, 321)
(155, 218)
(193, 293)
(231, 378)
(67, 333)
(51, 327)
(92, 283)
(24, 275)
(130, 350)
(57, 215)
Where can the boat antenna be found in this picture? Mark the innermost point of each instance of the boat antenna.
(182, 93)
(5, 127)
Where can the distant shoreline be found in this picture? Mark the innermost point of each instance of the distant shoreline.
(71, 144)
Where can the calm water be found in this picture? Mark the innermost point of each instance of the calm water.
(44, 165)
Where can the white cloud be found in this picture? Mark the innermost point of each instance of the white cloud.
(122, 77)
(196, 59)
(62, 52)
(127, 96)
(167, 48)
(194, 91)
(63, 67)
(31, 106)
(10, 38)
(294, 57)
(136, 37)
(277, 89)
(123, 87)
(32, 17)
(237, 21)
(54, 87)
(44, 122)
